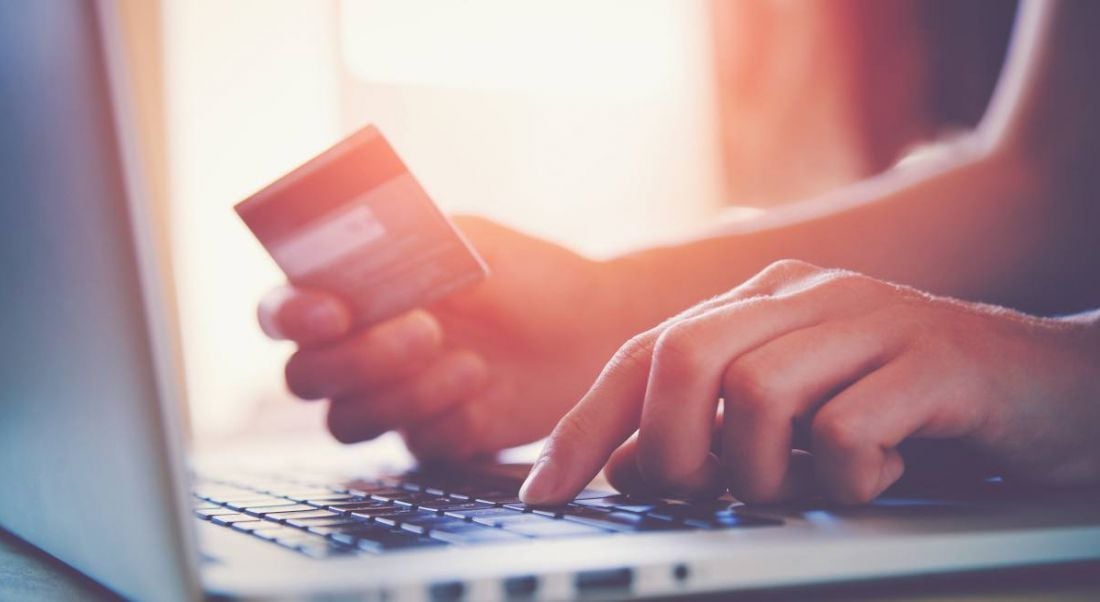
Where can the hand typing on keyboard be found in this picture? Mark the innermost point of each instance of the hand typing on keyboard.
(489, 368)
(823, 375)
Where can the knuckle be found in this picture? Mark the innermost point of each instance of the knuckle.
(635, 352)
(750, 388)
(789, 267)
(677, 350)
(840, 281)
(849, 284)
(836, 433)
(781, 274)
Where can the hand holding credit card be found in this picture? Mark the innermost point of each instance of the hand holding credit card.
(354, 222)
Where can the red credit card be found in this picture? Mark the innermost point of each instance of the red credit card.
(354, 222)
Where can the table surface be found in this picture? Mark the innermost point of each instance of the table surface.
(28, 574)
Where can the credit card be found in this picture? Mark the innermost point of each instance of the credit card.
(354, 222)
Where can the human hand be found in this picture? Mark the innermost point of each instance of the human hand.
(854, 365)
(488, 368)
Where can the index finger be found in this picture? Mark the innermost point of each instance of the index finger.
(601, 420)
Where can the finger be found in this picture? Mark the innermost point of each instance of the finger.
(766, 389)
(855, 434)
(623, 474)
(307, 317)
(446, 382)
(368, 359)
(586, 436)
(622, 470)
(686, 377)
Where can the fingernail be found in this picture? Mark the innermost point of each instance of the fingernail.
(326, 321)
(540, 484)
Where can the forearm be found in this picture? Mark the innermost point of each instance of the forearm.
(980, 226)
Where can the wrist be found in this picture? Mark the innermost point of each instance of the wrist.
(651, 285)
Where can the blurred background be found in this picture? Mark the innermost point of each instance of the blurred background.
(601, 125)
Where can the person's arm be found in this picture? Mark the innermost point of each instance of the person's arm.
(1004, 215)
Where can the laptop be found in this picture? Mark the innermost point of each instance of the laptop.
(96, 471)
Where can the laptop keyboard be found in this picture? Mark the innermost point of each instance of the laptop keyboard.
(377, 516)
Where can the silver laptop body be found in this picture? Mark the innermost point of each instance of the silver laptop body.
(92, 462)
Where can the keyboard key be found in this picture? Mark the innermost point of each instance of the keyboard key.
(377, 492)
(258, 502)
(228, 519)
(355, 506)
(223, 494)
(330, 530)
(325, 549)
(450, 505)
(398, 518)
(550, 528)
(225, 499)
(511, 519)
(253, 525)
(311, 513)
(470, 534)
(376, 538)
(498, 498)
(270, 531)
(618, 520)
(550, 511)
(589, 494)
(297, 539)
(206, 506)
(215, 511)
(679, 511)
(393, 543)
(347, 532)
(483, 513)
(622, 502)
(413, 499)
(248, 526)
(273, 512)
(733, 521)
(373, 513)
(423, 526)
(329, 521)
(338, 500)
(402, 484)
